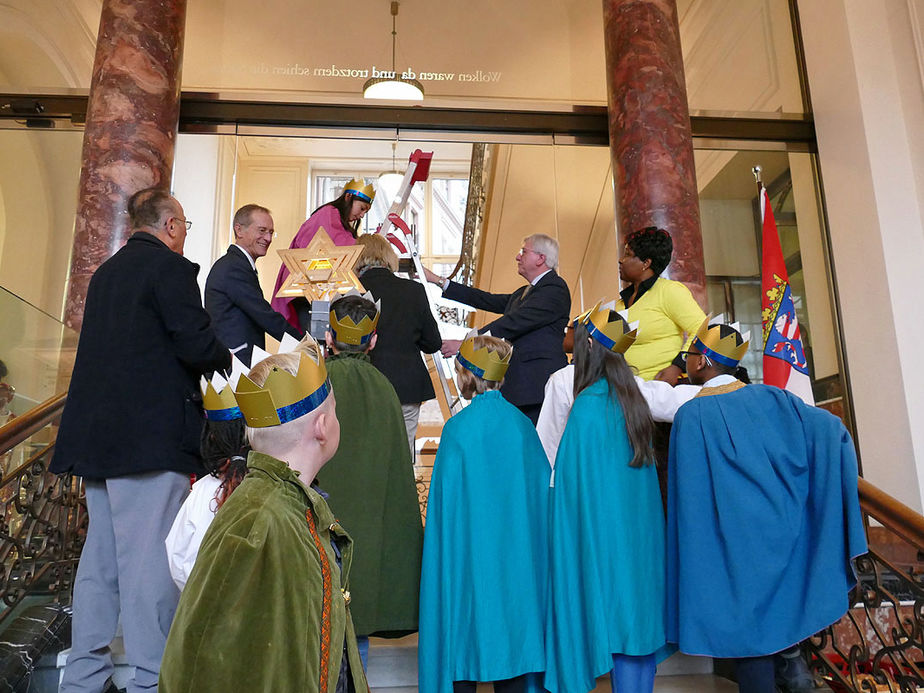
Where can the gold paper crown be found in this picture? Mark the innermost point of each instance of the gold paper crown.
(610, 328)
(486, 363)
(359, 188)
(728, 351)
(284, 397)
(348, 332)
(218, 393)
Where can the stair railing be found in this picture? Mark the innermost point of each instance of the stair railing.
(43, 516)
(879, 644)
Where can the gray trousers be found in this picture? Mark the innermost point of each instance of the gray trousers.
(411, 414)
(123, 569)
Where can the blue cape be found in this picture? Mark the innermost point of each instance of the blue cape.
(485, 578)
(763, 521)
(607, 549)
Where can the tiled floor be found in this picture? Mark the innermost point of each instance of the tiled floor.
(693, 683)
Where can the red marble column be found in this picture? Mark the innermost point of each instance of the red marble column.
(131, 129)
(650, 141)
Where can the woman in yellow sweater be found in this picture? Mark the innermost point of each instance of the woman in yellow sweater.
(667, 313)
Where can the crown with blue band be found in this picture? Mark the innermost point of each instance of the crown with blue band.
(486, 363)
(727, 351)
(610, 329)
(345, 331)
(283, 397)
(218, 393)
(359, 188)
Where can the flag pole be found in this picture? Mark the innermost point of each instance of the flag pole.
(757, 170)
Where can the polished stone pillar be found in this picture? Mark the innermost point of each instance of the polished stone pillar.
(131, 128)
(649, 122)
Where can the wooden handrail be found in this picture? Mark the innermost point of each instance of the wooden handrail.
(892, 513)
(20, 428)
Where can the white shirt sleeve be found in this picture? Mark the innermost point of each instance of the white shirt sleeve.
(189, 527)
(559, 396)
(663, 399)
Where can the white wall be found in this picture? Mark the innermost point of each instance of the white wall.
(865, 63)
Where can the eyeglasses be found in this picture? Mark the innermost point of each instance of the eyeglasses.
(523, 251)
(685, 355)
(185, 221)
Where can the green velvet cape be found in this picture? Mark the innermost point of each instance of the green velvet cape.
(372, 491)
(264, 609)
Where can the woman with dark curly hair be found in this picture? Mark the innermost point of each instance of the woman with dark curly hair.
(667, 313)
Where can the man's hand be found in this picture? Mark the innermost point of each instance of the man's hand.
(450, 347)
(433, 278)
(670, 375)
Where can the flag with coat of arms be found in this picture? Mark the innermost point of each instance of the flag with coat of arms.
(785, 363)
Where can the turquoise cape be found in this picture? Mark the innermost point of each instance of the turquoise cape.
(763, 521)
(484, 580)
(607, 549)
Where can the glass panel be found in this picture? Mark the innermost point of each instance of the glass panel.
(39, 173)
(37, 353)
(732, 248)
(738, 54)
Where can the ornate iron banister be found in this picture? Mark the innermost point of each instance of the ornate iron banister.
(42, 516)
(879, 644)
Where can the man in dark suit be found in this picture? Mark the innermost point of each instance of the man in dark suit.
(233, 297)
(406, 328)
(131, 428)
(534, 319)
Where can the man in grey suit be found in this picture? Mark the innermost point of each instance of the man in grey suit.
(241, 315)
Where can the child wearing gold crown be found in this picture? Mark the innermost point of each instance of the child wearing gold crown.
(763, 518)
(267, 605)
(606, 606)
(371, 480)
(484, 578)
(340, 219)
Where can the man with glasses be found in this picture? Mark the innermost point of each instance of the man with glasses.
(233, 296)
(533, 320)
(131, 429)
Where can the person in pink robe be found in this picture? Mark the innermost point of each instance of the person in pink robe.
(340, 219)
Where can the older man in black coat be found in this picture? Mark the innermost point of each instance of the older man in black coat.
(534, 319)
(131, 428)
(233, 297)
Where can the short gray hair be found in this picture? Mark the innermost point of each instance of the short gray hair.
(544, 245)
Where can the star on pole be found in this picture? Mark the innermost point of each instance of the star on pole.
(320, 269)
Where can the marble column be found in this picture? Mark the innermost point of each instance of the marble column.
(650, 141)
(131, 128)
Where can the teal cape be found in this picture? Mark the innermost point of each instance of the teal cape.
(484, 581)
(372, 491)
(607, 549)
(763, 521)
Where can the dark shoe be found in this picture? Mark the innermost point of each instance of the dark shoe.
(792, 673)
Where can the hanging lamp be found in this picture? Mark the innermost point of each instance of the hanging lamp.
(395, 87)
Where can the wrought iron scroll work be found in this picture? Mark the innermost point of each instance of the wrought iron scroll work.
(43, 522)
(880, 641)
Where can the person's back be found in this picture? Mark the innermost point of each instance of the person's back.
(484, 578)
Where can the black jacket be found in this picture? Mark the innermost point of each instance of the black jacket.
(240, 314)
(406, 328)
(134, 403)
(534, 324)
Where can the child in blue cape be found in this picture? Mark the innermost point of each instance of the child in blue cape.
(607, 556)
(484, 579)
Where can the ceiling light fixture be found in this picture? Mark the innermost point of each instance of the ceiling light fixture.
(393, 86)
(390, 181)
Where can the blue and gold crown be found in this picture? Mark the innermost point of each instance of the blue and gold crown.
(218, 393)
(611, 329)
(486, 363)
(359, 188)
(346, 331)
(283, 397)
(728, 351)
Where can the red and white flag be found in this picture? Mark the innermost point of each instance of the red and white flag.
(785, 364)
